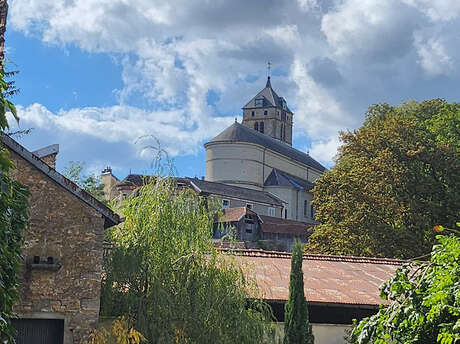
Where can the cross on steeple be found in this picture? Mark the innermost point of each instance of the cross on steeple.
(269, 66)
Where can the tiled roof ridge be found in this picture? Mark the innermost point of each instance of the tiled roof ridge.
(324, 257)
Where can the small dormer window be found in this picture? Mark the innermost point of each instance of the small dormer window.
(265, 112)
(259, 102)
(252, 113)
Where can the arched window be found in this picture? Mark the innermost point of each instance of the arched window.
(256, 126)
(262, 127)
(265, 112)
(281, 132)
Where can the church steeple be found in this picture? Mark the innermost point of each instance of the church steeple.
(268, 84)
(268, 113)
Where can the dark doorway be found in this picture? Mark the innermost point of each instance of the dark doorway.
(39, 331)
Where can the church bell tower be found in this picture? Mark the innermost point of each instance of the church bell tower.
(269, 114)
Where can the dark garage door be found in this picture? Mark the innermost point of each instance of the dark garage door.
(39, 331)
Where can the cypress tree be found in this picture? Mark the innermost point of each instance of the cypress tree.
(297, 327)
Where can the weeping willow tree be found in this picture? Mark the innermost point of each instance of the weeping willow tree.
(165, 273)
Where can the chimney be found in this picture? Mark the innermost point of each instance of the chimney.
(109, 181)
(48, 155)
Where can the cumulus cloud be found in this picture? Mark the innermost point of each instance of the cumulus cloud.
(433, 56)
(437, 10)
(325, 150)
(331, 58)
(376, 29)
(126, 124)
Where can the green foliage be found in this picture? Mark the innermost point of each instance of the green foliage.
(122, 332)
(395, 178)
(13, 221)
(165, 273)
(297, 327)
(425, 301)
(90, 183)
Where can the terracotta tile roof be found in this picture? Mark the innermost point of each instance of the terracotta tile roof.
(272, 224)
(328, 279)
(235, 214)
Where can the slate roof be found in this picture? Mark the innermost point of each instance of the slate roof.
(45, 151)
(135, 180)
(327, 279)
(111, 218)
(279, 178)
(271, 224)
(240, 133)
(271, 99)
(246, 194)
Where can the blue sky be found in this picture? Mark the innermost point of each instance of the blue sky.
(102, 77)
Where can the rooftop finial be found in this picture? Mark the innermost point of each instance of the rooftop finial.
(269, 67)
(236, 119)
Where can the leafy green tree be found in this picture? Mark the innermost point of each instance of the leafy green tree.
(297, 327)
(394, 179)
(13, 221)
(90, 183)
(165, 273)
(425, 301)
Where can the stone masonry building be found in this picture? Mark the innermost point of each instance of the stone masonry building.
(258, 154)
(63, 249)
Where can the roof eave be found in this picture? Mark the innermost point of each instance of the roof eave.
(111, 218)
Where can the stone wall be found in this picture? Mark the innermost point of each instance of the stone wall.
(248, 165)
(65, 228)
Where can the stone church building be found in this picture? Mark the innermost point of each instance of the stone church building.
(252, 165)
(258, 154)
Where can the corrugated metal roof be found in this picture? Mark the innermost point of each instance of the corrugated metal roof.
(240, 133)
(327, 279)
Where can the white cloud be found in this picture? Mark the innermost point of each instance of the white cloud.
(127, 125)
(433, 56)
(325, 150)
(173, 54)
(437, 10)
(317, 111)
(371, 28)
(307, 5)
